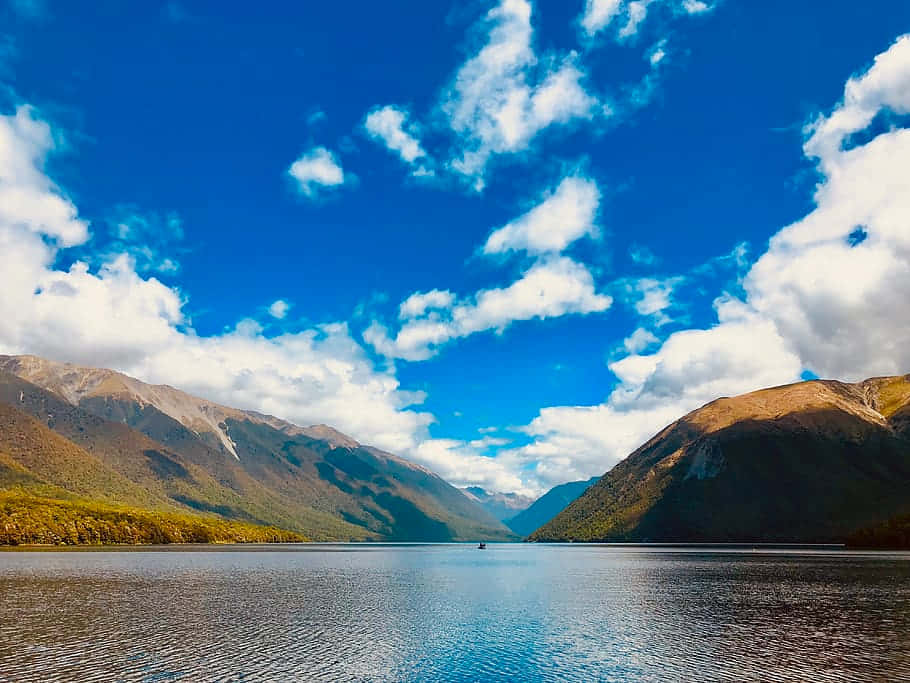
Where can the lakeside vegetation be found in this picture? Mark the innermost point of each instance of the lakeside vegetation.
(27, 519)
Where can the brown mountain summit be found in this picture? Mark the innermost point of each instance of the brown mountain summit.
(807, 462)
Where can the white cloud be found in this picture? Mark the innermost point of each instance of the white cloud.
(28, 198)
(885, 86)
(563, 216)
(636, 13)
(598, 14)
(651, 296)
(279, 309)
(639, 340)
(551, 288)
(389, 126)
(845, 307)
(508, 92)
(419, 303)
(658, 53)
(696, 6)
(503, 96)
(815, 299)
(316, 169)
(461, 464)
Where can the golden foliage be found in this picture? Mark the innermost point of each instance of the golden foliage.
(30, 519)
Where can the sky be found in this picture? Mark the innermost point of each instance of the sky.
(508, 239)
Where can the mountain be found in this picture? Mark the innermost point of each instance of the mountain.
(166, 449)
(77, 498)
(547, 506)
(810, 462)
(499, 505)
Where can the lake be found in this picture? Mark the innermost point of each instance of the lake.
(453, 612)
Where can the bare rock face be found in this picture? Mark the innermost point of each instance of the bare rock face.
(808, 462)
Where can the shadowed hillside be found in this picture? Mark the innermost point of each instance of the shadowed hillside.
(169, 450)
(809, 462)
(547, 506)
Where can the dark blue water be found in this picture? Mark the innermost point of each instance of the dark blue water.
(453, 613)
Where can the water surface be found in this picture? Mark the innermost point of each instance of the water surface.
(452, 612)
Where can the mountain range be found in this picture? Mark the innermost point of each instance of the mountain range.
(104, 438)
(817, 461)
(93, 455)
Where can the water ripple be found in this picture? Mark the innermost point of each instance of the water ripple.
(449, 613)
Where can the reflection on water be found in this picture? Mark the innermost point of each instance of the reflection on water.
(451, 612)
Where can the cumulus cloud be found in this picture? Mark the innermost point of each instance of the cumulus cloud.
(552, 285)
(639, 340)
(462, 464)
(842, 301)
(504, 95)
(316, 169)
(279, 309)
(550, 288)
(636, 13)
(696, 6)
(508, 92)
(885, 86)
(831, 294)
(420, 302)
(651, 297)
(630, 15)
(563, 216)
(28, 198)
(389, 126)
(598, 14)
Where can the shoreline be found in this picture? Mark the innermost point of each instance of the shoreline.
(349, 546)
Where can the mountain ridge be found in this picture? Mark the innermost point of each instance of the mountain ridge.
(804, 462)
(256, 468)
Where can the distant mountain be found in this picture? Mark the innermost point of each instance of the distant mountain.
(161, 448)
(547, 506)
(499, 505)
(809, 462)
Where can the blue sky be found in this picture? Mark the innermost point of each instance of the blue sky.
(586, 189)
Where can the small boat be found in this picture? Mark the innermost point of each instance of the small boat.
(482, 546)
